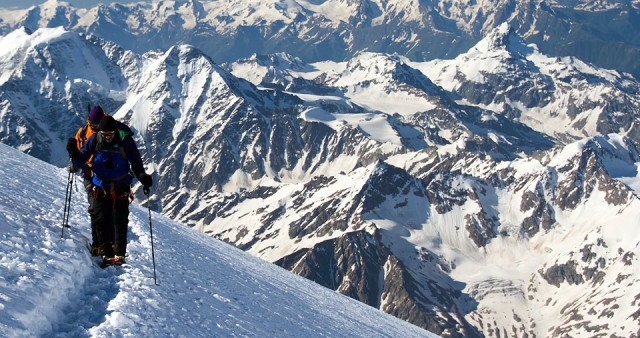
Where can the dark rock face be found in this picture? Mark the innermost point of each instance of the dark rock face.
(358, 265)
(542, 217)
(589, 267)
(562, 273)
(480, 228)
(323, 221)
(443, 195)
(385, 182)
(350, 264)
(585, 175)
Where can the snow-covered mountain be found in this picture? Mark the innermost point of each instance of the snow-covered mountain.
(602, 32)
(47, 81)
(501, 77)
(204, 287)
(427, 190)
(561, 97)
(479, 241)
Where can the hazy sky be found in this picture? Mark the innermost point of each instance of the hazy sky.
(75, 3)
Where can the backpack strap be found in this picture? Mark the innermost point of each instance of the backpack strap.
(83, 134)
(117, 150)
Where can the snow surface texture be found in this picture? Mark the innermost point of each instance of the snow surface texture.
(49, 286)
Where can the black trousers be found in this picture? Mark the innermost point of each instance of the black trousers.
(88, 186)
(112, 219)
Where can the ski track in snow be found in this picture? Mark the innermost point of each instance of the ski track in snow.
(49, 286)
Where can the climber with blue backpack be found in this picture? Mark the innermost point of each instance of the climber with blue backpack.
(116, 160)
(93, 121)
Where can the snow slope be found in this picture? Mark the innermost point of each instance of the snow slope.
(49, 287)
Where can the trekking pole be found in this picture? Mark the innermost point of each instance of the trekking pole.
(153, 258)
(67, 199)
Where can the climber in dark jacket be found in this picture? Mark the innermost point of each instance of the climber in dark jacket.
(93, 123)
(115, 160)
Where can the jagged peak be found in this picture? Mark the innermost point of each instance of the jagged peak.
(24, 37)
(383, 174)
(503, 38)
(369, 66)
(54, 3)
(52, 8)
(380, 167)
(196, 7)
(25, 30)
(186, 52)
(612, 146)
(278, 60)
(370, 57)
(385, 181)
(612, 149)
(385, 69)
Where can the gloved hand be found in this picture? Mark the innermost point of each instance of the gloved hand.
(146, 181)
(72, 147)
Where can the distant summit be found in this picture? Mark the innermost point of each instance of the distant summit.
(597, 32)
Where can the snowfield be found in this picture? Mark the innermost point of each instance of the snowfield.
(50, 287)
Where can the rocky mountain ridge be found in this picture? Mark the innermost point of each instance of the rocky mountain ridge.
(601, 32)
(500, 77)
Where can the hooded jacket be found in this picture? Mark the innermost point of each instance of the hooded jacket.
(113, 162)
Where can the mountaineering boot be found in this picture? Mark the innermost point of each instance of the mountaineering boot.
(107, 261)
(118, 260)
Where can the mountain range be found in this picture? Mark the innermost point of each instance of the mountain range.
(601, 32)
(491, 194)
